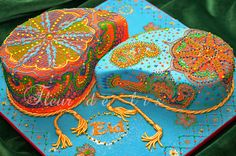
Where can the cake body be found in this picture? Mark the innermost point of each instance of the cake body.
(181, 68)
(49, 61)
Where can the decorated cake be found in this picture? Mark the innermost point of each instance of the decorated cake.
(175, 79)
(49, 60)
(183, 70)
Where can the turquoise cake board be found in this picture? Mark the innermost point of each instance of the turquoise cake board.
(180, 135)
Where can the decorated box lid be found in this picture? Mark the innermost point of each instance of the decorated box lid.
(49, 60)
(58, 40)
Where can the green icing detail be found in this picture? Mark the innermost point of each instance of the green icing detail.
(62, 81)
(196, 35)
(104, 26)
(228, 75)
(183, 64)
(182, 46)
(206, 74)
(90, 55)
(122, 59)
(25, 80)
(81, 26)
(149, 84)
(87, 152)
(110, 79)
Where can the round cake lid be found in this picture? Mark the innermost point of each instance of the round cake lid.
(49, 41)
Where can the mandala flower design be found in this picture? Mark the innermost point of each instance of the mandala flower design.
(130, 54)
(202, 56)
(150, 27)
(186, 120)
(85, 150)
(50, 40)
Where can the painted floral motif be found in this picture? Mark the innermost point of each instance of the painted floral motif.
(202, 56)
(150, 27)
(173, 152)
(131, 54)
(85, 150)
(186, 120)
(49, 42)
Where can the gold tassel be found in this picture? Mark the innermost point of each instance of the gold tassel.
(63, 140)
(153, 139)
(125, 113)
(82, 125)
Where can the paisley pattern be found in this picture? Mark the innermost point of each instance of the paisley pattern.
(107, 38)
(110, 36)
(49, 60)
(50, 40)
(131, 54)
(161, 85)
(202, 56)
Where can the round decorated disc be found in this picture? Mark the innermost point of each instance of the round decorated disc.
(202, 56)
(49, 41)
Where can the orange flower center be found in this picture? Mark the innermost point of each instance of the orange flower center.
(209, 53)
(49, 36)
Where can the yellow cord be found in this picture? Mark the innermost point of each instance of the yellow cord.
(123, 112)
(63, 140)
(177, 110)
